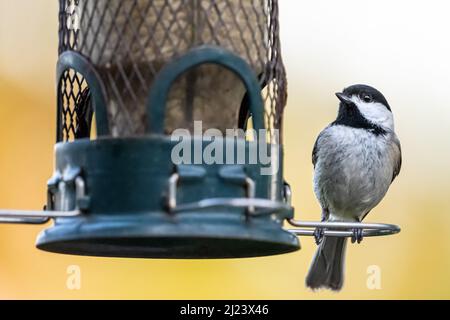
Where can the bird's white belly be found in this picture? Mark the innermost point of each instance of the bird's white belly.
(353, 172)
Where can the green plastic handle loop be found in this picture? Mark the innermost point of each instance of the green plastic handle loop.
(205, 54)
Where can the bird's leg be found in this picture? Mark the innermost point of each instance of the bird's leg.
(357, 235)
(319, 232)
(318, 235)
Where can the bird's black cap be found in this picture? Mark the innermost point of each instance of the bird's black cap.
(363, 90)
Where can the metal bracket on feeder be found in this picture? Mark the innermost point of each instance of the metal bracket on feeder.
(42, 217)
(254, 206)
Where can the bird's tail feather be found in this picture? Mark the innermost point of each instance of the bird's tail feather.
(327, 268)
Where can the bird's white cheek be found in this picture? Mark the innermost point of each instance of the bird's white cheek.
(378, 114)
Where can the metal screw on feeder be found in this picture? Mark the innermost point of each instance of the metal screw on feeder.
(134, 71)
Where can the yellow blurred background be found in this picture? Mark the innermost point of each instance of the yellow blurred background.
(400, 47)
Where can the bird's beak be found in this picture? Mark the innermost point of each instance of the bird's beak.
(343, 98)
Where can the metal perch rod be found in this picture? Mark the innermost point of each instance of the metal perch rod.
(343, 229)
(305, 228)
(34, 217)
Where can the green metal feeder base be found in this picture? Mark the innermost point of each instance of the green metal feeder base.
(134, 202)
(196, 236)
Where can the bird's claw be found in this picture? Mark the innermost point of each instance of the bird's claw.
(318, 235)
(357, 236)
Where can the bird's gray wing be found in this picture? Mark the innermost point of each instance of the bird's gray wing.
(315, 153)
(398, 164)
(315, 158)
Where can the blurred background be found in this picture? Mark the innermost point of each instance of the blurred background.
(400, 47)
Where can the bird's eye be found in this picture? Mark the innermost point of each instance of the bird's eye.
(367, 98)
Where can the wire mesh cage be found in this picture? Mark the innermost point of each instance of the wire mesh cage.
(129, 42)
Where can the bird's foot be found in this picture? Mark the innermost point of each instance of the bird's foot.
(319, 234)
(357, 236)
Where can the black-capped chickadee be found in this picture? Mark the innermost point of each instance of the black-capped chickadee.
(356, 158)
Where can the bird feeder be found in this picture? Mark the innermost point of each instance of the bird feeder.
(130, 74)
